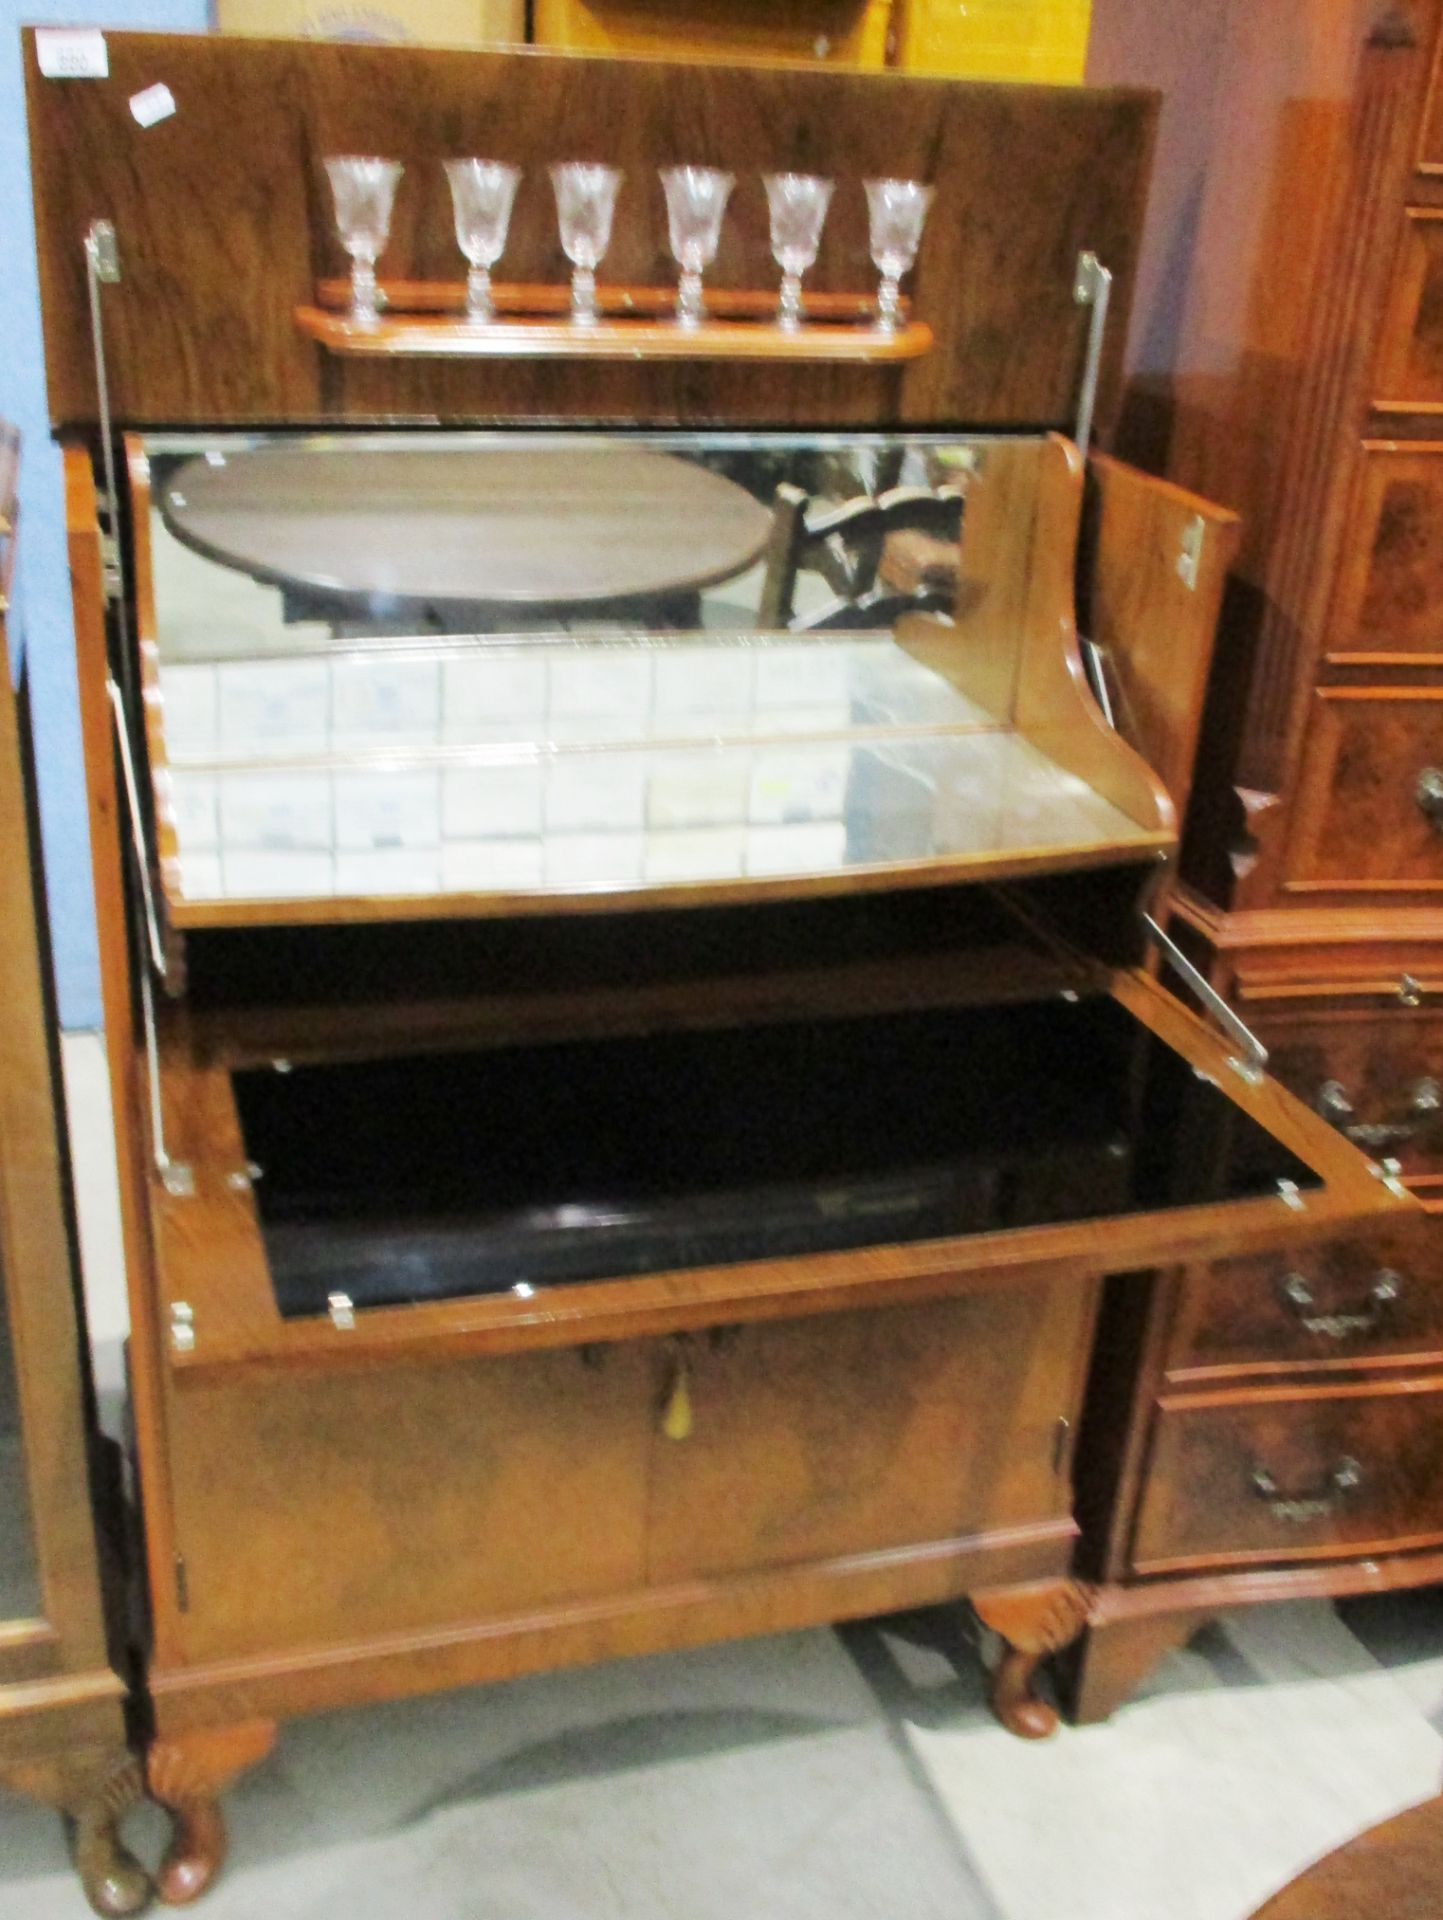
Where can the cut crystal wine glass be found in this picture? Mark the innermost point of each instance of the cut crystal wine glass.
(585, 201)
(481, 195)
(798, 206)
(696, 199)
(896, 210)
(364, 188)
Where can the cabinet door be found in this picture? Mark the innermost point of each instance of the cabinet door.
(857, 1432)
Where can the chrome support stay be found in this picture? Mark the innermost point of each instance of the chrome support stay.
(1254, 1055)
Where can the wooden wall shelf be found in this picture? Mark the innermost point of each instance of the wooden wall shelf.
(427, 319)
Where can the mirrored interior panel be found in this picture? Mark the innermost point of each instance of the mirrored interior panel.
(401, 665)
(20, 1597)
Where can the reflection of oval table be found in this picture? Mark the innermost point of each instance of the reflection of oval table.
(1394, 1870)
(491, 531)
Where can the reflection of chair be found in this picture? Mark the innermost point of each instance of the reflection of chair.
(844, 544)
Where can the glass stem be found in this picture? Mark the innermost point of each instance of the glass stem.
(889, 302)
(789, 311)
(479, 305)
(689, 309)
(583, 295)
(365, 295)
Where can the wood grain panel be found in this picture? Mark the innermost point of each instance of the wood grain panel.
(224, 225)
(1410, 356)
(1202, 1505)
(1358, 822)
(1390, 587)
(333, 1509)
(817, 1438)
(1237, 1316)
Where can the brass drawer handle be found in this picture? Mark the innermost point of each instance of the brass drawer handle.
(1428, 793)
(1425, 1102)
(1386, 1289)
(1299, 1508)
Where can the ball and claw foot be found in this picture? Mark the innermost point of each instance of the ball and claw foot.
(93, 1790)
(1033, 1622)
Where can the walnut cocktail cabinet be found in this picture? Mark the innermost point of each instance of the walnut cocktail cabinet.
(63, 1736)
(624, 927)
(1292, 372)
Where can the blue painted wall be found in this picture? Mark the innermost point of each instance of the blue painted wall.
(42, 594)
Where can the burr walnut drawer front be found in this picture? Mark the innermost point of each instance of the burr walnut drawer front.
(1275, 1476)
(1336, 1304)
(1374, 1071)
(1390, 593)
(1369, 816)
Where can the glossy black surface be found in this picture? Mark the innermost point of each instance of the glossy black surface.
(444, 1175)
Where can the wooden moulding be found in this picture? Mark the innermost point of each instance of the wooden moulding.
(439, 336)
(427, 318)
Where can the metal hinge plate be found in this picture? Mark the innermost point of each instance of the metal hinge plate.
(104, 252)
(1189, 559)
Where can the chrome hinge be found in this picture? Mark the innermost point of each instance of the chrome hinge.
(103, 252)
(1091, 287)
(342, 1310)
(1252, 1058)
(112, 573)
(1190, 558)
(1291, 1198)
(182, 1326)
(1390, 1172)
(182, 1584)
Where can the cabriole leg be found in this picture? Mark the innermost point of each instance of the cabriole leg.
(187, 1773)
(1033, 1622)
(94, 1788)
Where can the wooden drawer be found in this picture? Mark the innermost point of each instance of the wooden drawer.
(1293, 1476)
(1370, 801)
(1410, 358)
(1390, 592)
(1335, 1304)
(1376, 1075)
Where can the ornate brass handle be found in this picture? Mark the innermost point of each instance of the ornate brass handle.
(1425, 1102)
(1312, 1504)
(1386, 1288)
(1428, 793)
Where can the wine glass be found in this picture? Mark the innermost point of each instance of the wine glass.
(798, 206)
(696, 199)
(896, 210)
(481, 195)
(585, 201)
(364, 188)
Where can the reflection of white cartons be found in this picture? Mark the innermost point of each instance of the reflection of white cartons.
(812, 674)
(791, 784)
(277, 876)
(600, 682)
(480, 866)
(193, 809)
(790, 722)
(697, 789)
(200, 876)
(383, 699)
(704, 853)
(593, 859)
(189, 711)
(275, 811)
(385, 810)
(698, 680)
(394, 870)
(479, 803)
(277, 705)
(485, 691)
(588, 792)
(806, 849)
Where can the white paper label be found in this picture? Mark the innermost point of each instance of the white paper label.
(72, 53)
(153, 104)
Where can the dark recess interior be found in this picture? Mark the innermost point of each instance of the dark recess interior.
(440, 1175)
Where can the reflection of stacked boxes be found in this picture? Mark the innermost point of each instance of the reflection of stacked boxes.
(605, 767)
